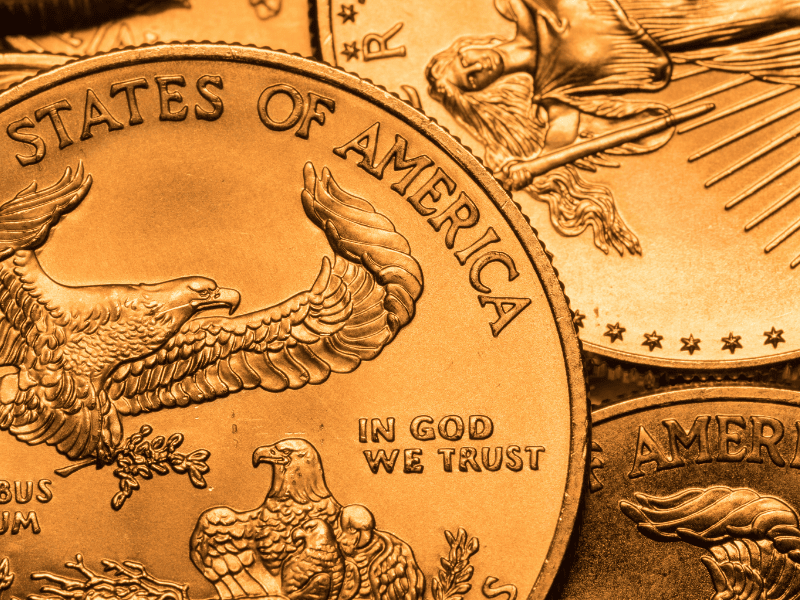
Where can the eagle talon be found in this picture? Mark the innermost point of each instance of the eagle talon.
(138, 457)
(72, 390)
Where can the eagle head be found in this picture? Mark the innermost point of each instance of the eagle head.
(122, 322)
(296, 470)
(358, 525)
(178, 300)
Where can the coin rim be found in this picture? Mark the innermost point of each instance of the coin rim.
(323, 44)
(579, 407)
(695, 394)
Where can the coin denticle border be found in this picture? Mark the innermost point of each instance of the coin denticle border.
(386, 101)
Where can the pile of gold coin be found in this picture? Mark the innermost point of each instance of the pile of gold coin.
(419, 300)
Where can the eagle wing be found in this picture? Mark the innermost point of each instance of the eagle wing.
(354, 309)
(753, 539)
(40, 401)
(26, 219)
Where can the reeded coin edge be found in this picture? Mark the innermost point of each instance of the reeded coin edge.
(632, 380)
(694, 394)
(321, 30)
(726, 365)
(539, 257)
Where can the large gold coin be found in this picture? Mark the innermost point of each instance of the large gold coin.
(411, 392)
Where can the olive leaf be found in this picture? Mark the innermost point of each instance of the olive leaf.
(452, 581)
(139, 457)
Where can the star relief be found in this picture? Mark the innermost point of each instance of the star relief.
(615, 332)
(348, 13)
(351, 50)
(732, 342)
(652, 340)
(774, 337)
(577, 319)
(690, 344)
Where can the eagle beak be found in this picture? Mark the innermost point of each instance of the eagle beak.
(222, 298)
(298, 534)
(269, 455)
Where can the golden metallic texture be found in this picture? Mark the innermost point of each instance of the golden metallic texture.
(42, 16)
(269, 23)
(216, 258)
(653, 145)
(692, 494)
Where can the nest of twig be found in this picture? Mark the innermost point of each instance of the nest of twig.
(122, 581)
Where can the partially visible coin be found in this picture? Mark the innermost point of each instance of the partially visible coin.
(412, 394)
(15, 66)
(693, 494)
(272, 23)
(42, 16)
(653, 145)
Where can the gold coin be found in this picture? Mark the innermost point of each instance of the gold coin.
(272, 23)
(411, 394)
(692, 495)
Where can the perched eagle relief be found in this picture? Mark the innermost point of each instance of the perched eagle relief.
(74, 361)
(754, 539)
(300, 544)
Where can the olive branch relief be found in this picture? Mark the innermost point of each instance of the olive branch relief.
(138, 457)
(453, 580)
(142, 458)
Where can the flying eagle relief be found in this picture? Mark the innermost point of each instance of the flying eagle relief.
(77, 360)
(288, 292)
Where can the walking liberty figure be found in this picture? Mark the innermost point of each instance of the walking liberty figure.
(562, 81)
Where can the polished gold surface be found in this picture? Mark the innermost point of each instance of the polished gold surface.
(692, 495)
(651, 144)
(216, 258)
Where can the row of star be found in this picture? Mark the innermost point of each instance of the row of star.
(690, 344)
